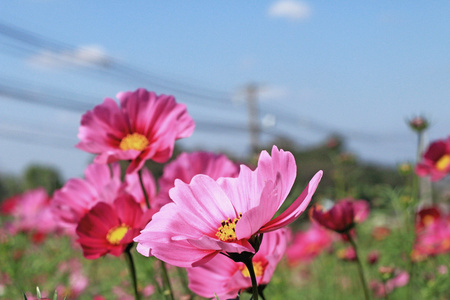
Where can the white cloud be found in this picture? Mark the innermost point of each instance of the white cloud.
(81, 56)
(290, 9)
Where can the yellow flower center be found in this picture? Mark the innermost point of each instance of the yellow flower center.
(116, 234)
(227, 232)
(443, 162)
(427, 220)
(135, 141)
(258, 267)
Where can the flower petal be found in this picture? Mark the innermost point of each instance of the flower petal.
(296, 208)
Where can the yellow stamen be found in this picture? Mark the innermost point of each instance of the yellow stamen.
(227, 232)
(135, 141)
(443, 162)
(116, 234)
(258, 267)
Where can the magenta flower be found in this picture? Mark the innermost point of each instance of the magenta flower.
(187, 165)
(78, 196)
(144, 127)
(308, 244)
(343, 216)
(226, 215)
(223, 277)
(435, 161)
(109, 228)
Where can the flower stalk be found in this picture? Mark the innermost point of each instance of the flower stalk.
(360, 268)
(248, 262)
(132, 270)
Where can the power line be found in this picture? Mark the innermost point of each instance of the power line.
(114, 67)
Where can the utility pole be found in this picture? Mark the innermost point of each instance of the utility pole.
(251, 92)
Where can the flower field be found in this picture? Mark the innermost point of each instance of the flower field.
(151, 221)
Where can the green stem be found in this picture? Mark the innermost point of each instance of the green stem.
(249, 264)
(132, 269)
(147, 201)
(360, 269)
(167, 286)
(182, 276)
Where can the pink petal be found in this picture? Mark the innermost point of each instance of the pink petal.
(296, 208)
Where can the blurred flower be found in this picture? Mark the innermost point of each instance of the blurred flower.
(78, 282)
(442, 269)
(393, 278)
(347, 253)
(144, 127)
(187, 165)
(32, 214)
(432, 235)
(379, 233)
(418, 124)
(308, 244)
(342, 216)
(405, 169)
(373, 257)
(224, 277)
(427, 216)
(435, 161)
(207, 216)
(109, 228)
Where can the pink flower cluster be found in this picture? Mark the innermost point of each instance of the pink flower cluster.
(203, 204)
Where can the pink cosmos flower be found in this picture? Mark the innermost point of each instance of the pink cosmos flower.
(308, 244)
(32, 213)
(78, 196)
(435, 161)
(187, 165)
(223, 277)
(226, 215)
(343, 216)
(145, 126)
(109, 228)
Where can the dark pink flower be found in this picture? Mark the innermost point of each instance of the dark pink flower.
(373, 257)
(78, 196)
(109, 228)
(435, 161)
(223, 277)
(226, 215)
(342, 216)
(187, 165)
(308, 244)
(145, 126)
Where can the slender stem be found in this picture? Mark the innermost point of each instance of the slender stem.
(182, 276)
(147, 201)
(132, 269)
(360, 269)
(167, 286)
(249, 264)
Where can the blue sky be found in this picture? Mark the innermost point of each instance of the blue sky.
(360, 68)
